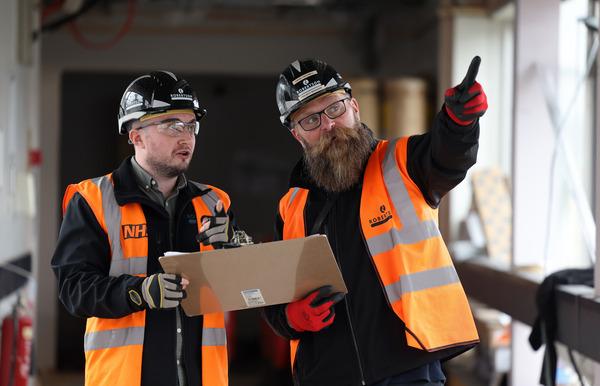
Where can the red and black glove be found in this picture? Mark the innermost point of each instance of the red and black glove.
(467, 101)
(315, 311)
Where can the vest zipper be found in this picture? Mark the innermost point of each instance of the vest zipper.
(347, 306)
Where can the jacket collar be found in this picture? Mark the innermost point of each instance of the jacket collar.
(147, 182)
(127, 189)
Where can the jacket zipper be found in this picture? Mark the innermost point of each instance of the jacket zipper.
(182, 381)
(347, 306)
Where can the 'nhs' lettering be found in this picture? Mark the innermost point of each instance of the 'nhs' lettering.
(134, 231)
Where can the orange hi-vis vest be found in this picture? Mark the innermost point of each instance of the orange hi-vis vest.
(113, 347)
(403, 239)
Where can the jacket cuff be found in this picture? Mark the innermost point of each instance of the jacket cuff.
(134, 295)
(277, 319)
(454, 126)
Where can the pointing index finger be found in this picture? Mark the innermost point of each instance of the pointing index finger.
(219, 208)
(469, 79)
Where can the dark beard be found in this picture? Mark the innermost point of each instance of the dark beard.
(168, 171)
(336, 162)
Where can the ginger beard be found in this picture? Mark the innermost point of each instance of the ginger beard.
(336, 161)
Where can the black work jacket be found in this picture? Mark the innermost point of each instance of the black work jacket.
(81, 264)
(366, 341)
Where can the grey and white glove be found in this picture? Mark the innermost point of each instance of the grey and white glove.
(216, 230)
(161, 290)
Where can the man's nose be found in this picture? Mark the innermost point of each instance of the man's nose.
(186, 136)
(327, 124)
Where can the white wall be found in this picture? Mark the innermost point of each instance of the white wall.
(19, 126)
(596, 379)
(48, 221)
(475, 32)
(536, 26)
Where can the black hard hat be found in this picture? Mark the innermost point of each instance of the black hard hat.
(156, 92)
(303, 81)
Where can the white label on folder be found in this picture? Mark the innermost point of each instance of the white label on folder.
(253, 298)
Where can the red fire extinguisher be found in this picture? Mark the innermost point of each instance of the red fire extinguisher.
(15, 354)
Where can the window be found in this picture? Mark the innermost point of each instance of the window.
(570, 236)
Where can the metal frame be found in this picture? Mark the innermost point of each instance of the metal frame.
(578, 309)
(596, 200)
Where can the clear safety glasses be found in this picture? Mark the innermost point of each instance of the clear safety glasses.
(175, 127)
(332, 111)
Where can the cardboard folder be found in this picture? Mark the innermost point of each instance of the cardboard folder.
(255, 275)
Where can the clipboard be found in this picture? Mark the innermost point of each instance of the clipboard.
(256, 275)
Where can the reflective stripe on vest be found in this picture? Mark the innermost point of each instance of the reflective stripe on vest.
(214, 337)
(420, 281)
(410, 257)
(409, 253)
(291, 210)
(293, 195)
(123, 338)
(113, 338)
(119, 265)
(413, 231)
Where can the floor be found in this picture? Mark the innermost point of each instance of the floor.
(250, 370)
(247, 370)
(457, 376)
(76, 379)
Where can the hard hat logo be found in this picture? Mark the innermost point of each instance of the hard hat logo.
(309, 90)
(180, 96)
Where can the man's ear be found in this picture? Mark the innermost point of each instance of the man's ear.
(135, 138)
(297, 136)
(354, 104)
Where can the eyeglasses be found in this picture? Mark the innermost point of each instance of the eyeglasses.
(332, 111)
(175, 127)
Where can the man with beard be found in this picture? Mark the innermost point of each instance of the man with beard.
(376, 201)
(114, 229)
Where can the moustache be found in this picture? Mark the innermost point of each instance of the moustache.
(339, 134)
(336, 161)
